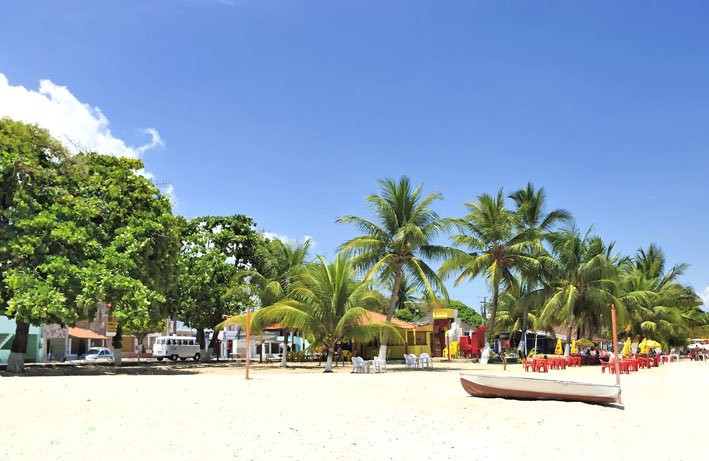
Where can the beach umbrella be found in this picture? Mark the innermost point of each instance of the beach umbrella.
(558, 350)
(652, 344)
(643, 346)
(574, 350)
(626, 348)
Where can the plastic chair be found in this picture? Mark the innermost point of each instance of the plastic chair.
(527, 365)
(425, 360)
(359, 365)
(411, 361)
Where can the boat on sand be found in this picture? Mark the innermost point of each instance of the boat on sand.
(538, 389)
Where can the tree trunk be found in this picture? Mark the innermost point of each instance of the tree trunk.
(569, 332)
(284, 352)
(390, 312)
(117, 343)
(330, 355)
(140, 348)
(18, 351)
(203, 352)
(493, 313)
(524, 331)
(213, 344)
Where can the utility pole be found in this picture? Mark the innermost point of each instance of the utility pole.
(483, 310)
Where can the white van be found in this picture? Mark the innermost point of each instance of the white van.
(174, 347)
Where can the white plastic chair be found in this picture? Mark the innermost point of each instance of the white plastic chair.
(359, 365)
(411, 361)
(425, 360)
(380, 366)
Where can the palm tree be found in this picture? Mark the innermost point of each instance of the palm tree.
(658, 305)
(581, 283)
(531, 211)
(329, 303)
(514, 311)
(397, 245)
(408, 301)
(533, 219)
(492, 247)
(280, 265)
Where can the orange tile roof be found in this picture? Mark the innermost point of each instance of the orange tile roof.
(376, 317)
(82, 333)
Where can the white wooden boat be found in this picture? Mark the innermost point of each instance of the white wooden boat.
(520, 387)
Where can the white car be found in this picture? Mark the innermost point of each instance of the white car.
(98, 354)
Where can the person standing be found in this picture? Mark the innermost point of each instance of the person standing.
(338, 356)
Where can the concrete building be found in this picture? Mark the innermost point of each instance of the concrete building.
(35, 352)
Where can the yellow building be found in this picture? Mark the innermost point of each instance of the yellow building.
(426, 336)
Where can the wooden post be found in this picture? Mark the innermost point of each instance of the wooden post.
(248, 339)
(615, 352)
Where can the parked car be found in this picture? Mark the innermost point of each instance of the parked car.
(98, 354)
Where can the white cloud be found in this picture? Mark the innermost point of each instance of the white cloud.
(77, 125)
(284, 238)
(169, 192)
(705, 296)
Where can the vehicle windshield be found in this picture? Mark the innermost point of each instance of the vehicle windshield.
(93, 351)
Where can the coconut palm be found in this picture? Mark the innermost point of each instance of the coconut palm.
(531, 211)
(280, 264)
(658, 305)
(581, 284)
(535, 221)
(408, 301)
(516, 310)
(398, 244)
(329, 303)
(491, 245)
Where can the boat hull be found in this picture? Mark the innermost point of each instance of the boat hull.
(538, 389)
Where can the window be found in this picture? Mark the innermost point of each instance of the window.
(420, 338)
(410, 337)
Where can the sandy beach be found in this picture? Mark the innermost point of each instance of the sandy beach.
(212, 412)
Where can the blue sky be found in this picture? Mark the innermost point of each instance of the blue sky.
(289, 111)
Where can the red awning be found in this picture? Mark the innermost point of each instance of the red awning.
(82, 333)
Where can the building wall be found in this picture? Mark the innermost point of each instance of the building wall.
(7, 334)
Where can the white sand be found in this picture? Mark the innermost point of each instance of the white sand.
(304, 414)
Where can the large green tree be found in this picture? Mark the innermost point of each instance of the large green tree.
(466, 313)
(214, 250)
(46, 250)
(400, 240)
(139, 240)
(76, 230)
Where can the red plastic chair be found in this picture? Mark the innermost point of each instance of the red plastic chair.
(527, 365)
(541, 364)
